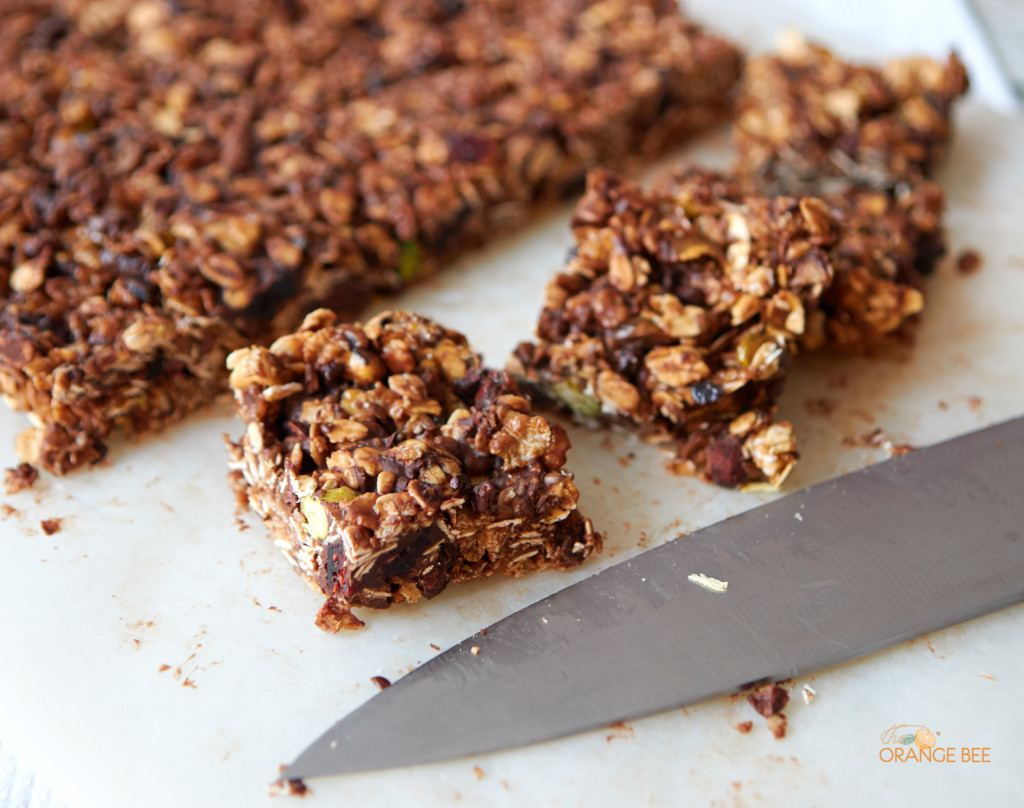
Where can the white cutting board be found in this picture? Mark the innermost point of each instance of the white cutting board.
(154, 654)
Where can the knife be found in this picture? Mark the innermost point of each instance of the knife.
(838, 570)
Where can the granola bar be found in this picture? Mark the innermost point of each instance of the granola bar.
(180, 179)
(805, 115)
(676, 316)
(886, 241)
(387, 463)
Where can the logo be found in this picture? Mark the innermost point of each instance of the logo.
(915, 743)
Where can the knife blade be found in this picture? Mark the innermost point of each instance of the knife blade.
(838, 570)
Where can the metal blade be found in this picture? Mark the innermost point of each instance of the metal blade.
(841, 569)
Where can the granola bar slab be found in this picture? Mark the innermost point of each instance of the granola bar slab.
(180, 179)
(886, 241)
(676, 316)
(388, 463)
(805, 115)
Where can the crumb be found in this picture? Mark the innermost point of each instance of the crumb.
(777, 724)
(50, 526)
(968, 262)
(435, 647)
(823, 406)
(974, 402)
(478, 773)
(744, 727)
(943, 405)
(808, 693)
(879, 439)
(163, 668)
(382, 682)
(241, 524)
(20, 477)
(597, 480)
(334, 616)
(475, 650)
(988, 676)
(769, 700)
(619, 730)
(7, 510)
(293, 788)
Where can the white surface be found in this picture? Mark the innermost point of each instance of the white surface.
(151, 568)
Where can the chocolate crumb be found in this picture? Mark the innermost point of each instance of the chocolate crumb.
(968, 262)
(744, 727)
(50, 526)
(768, 700)
(381, 682)
(22, 476)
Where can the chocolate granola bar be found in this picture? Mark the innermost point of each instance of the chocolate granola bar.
(387, 463)
(182, 178)
(676, 316)
(805, 115)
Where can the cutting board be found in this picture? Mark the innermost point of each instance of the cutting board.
(159, 651)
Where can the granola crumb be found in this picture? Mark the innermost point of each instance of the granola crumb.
(478, 773)
(878, 438)
(50, 526)
(475, 650)
(6, 510)
(744, 727)
(968, 262)
(808, 694)
(974, 402)
(290, 788)
(778, 724)
(22, 476)
(381, 682)
(768, 700)
(435, 647)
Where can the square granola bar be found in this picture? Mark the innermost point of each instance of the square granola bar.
(677, 315)
(388, 463)
(181, 179)
(804, 116)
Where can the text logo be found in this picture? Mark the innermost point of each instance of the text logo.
(915, 743)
